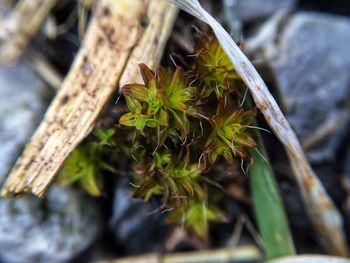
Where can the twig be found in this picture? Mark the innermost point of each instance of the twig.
(17, 29)
(150, 47)
(310, 259)
(239, 254)
(109, 43)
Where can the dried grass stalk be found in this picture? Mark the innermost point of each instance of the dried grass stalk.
(18, 28)
(232, 254)
(323, 214)
(112, 39)
(310, 259)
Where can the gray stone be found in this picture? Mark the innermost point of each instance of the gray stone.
(63, 224)
(136, 225)
(54, 229)
(313, 73)
(5, 7)
(310, 59)
(22, 103)
(248, 10)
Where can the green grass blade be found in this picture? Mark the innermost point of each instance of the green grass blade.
(268, 207)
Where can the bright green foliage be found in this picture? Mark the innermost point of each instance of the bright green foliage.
(135, 118)
(267, 202)
(268, 207)
(105, 136)
(197, 216)
(230, 137)
(181, 132)
(81, 166)
(162, 98)
(85, 164)
(214, 68)
(178, 130)
(175, 182)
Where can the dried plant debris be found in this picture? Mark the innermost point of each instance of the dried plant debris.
(111, 40)
(176, 128)
(322, 212)
(244, 253)
(20, 25)
(75, 108)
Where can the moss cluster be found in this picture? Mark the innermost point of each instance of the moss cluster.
(179, 124)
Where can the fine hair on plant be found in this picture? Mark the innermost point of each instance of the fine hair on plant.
(178, 124)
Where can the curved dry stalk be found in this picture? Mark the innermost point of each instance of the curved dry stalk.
(114, 36)
(323, 214)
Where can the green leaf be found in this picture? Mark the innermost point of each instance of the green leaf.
(179, 98)
(161, 159)
(85, 165)
(162, 118)
(74, 168)
(154, 191)
(269, 210)
(107, 167)
(153, 100)
(181, 122)
(91, 182)
(214, 68)
(105, 136)
(196, 216)
(133, 105)
(129, 119)
(139, 121)
(135, 91)
(268, 207)
(178, 93)
(230, 136)
(152, 123)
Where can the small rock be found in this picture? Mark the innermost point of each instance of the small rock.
(339, 7)
(53, 229)
(248, 10)
(5, 7)
(312, 72)
(137, 227)
(22, 104)
(311, 63)
(346, 182)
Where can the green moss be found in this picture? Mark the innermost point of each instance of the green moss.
(86, 164)
(179, 132)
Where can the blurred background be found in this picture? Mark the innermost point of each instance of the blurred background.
(301, 49)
